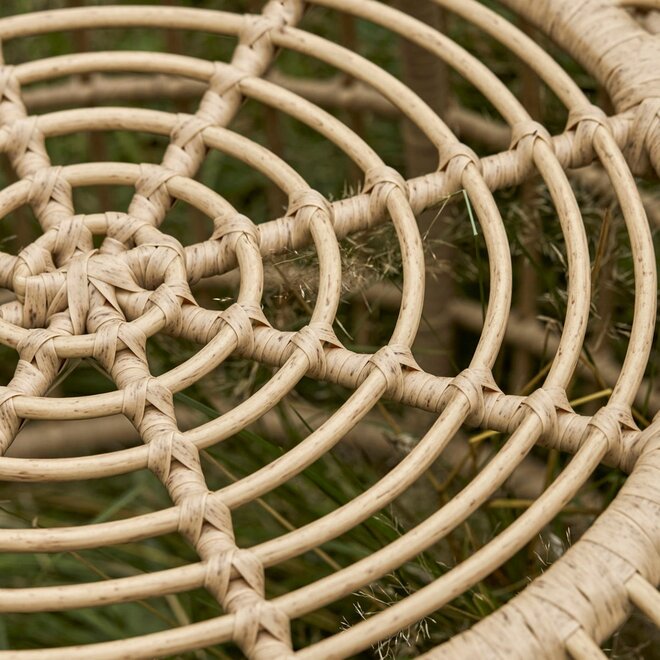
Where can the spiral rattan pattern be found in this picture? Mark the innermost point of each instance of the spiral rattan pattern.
(75, 301)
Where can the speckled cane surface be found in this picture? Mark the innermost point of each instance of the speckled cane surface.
(75, 301)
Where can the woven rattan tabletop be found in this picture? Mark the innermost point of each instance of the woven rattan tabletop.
(99, 286)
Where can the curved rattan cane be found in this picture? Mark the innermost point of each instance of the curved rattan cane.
(74, 301)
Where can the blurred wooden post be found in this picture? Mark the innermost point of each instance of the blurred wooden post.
(354, 115)
(526, 301)
(429, 79)
(360, 313)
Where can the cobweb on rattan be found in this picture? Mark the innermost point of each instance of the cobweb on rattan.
(74, 300)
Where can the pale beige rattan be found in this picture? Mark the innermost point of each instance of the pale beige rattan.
(74, 301)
